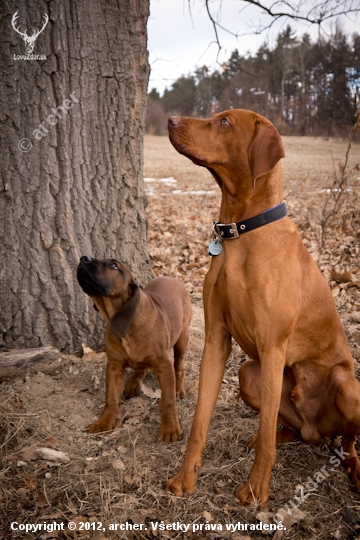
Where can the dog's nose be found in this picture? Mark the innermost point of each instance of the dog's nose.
(85, 259)
(174, 121)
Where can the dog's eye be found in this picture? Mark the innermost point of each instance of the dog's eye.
(113, 266)
(224, 122)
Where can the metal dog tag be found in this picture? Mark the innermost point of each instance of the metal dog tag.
(215, 248)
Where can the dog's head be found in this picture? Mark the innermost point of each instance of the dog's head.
(111, 286)
(229, 143)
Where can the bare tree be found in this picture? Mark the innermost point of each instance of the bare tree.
(72, 123)
(309, 11)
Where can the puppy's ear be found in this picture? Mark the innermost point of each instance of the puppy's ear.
(121, 321)
(265, 149)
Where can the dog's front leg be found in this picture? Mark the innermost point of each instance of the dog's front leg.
(216, 351)
(114, 379)
(170, 430)
(256, 489)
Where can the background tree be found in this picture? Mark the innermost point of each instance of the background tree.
(78, 190)
(305, 88)
(181, 96)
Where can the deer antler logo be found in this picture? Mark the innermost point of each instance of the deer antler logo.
(29, 40)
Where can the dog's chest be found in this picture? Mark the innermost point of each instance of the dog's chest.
(138, 353)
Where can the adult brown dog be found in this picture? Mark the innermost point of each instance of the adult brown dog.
(266, 291)
(142, 326)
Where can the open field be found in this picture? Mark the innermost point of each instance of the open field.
(117, 477)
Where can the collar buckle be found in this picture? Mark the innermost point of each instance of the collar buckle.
(234, 231)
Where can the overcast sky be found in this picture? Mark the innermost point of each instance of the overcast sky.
(179, 42)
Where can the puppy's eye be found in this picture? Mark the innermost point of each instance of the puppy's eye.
(113, 266)
(224, 122)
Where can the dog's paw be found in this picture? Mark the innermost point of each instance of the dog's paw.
(170, 434)
(132, 387)
(252, 441)
(101, 425)
(253, 494)
(181, 394)
(182, 483)
(352, 467)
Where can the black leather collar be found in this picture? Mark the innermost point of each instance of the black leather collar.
(233, 230)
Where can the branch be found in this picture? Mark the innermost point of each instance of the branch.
(299, 10)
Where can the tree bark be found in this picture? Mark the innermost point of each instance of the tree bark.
(79, 189)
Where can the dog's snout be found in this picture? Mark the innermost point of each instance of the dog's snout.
(174, 121)
(85, 259)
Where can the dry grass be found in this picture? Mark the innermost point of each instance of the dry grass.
(52, 411)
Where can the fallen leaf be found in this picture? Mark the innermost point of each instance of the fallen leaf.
(30, 482)
(335, 291)
(29, 453)
(88, 354)
(96, 382)
(128, 479)
(76, 531)
(295, 516)
(134, 420)
(51, 441)
(41, 499)
(86, 350)
(51, 515)
(354, 317)
(23, 491)
(149, 392)
(118, 464)
(266, 517)
(339, 277)
(49, 535)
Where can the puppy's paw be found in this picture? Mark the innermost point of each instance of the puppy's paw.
(180, 394)
(170, 434)
(102, 424)
(132, 387)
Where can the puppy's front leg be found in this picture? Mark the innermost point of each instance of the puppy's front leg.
(170, 430)
(114, 379)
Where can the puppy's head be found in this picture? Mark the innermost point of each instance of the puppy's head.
(111, 286)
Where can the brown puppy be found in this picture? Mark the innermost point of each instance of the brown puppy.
(142, 326)
(266, 291)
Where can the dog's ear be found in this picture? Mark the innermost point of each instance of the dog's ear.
(121, 321)
(265, 149)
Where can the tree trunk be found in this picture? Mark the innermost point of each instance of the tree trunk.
(79, 189)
